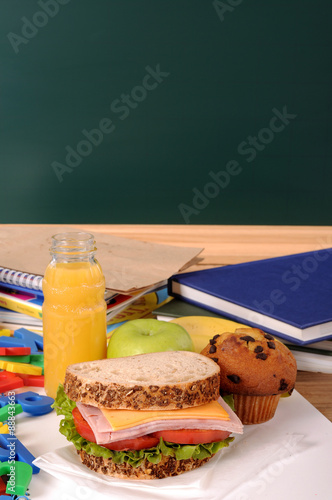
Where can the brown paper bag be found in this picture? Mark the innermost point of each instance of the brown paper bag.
(127, 264)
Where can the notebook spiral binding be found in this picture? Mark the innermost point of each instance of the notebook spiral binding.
(25, 280)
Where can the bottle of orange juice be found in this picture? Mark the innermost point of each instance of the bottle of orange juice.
(74, 309)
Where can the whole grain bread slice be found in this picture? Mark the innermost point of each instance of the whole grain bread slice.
(154, 381)
(167, 467)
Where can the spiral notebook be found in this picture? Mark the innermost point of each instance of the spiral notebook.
(24, 280)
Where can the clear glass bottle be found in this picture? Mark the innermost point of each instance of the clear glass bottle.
(74, 309)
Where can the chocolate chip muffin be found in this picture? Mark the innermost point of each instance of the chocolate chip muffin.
(256, 368)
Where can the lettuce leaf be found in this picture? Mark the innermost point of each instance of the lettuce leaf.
(230, 401)
(64, 406)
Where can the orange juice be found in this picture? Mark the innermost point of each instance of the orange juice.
(74, 309)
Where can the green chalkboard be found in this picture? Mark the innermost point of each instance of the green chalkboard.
(178, 111)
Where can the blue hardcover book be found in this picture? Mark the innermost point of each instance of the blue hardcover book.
(22, 289)
(288, 296)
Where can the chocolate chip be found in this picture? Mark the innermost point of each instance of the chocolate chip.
(247, 338)
(268, 336)
(271, 345)
(234, 378)
(212, 349)
(215, 360)
(216, 336)
(213, 341)
(261, 355)
(259, 348)
(283, 385)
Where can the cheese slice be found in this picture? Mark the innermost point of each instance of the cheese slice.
(125, 419)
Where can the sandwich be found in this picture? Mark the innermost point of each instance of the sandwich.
(148, 416)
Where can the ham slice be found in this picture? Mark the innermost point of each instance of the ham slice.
(104, 433)
(98, 423)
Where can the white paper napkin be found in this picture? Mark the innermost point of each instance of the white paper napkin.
(219, 478)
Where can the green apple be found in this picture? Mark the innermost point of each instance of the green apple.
(148, 335)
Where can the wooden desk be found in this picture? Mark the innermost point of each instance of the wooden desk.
(234, 244)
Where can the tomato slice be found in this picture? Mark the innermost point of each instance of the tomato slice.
(192, 436)
(84, 430)
(82, 426)
(147, 441)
